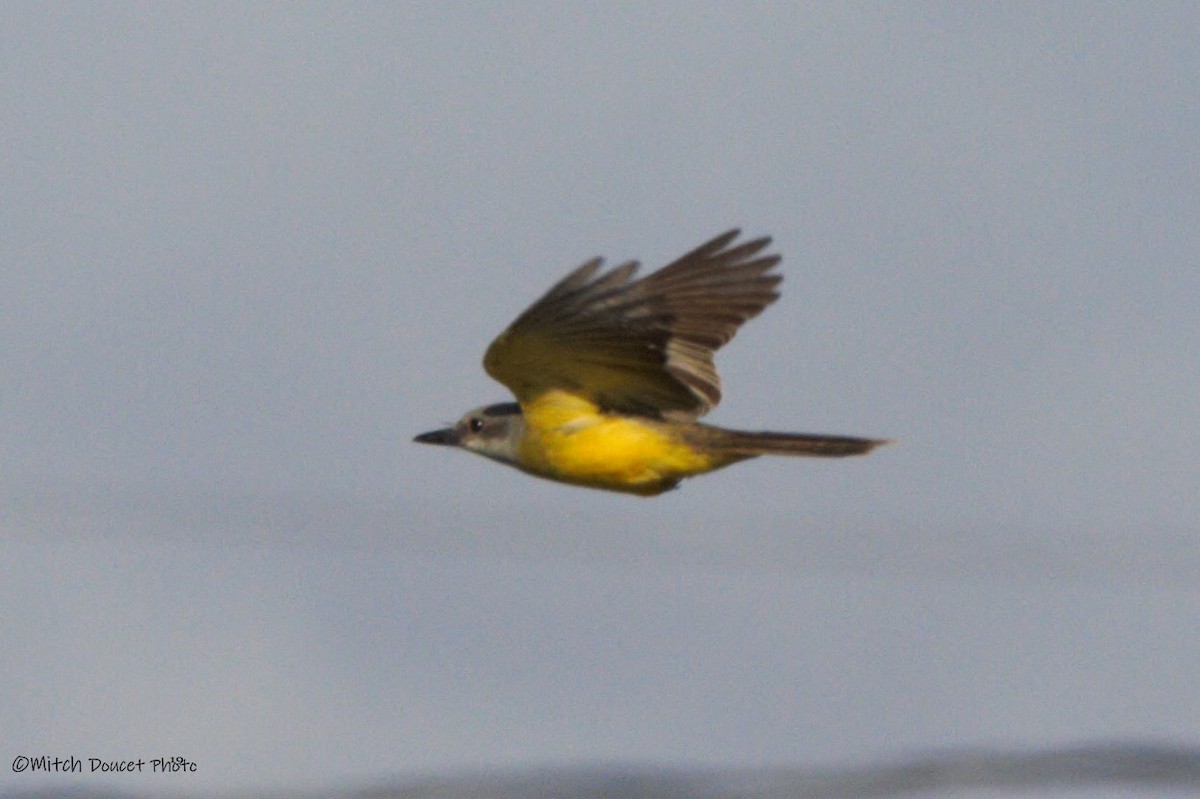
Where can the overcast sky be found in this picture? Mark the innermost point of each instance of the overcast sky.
(249, 251)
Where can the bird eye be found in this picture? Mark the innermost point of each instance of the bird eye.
(475, 424)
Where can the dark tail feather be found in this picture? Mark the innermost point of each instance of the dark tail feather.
(739, 442)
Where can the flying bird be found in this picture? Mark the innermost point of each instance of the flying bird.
(611, 375)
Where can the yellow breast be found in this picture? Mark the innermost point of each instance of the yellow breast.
(567, 438)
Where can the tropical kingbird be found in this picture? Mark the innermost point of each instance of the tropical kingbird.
(611, 374)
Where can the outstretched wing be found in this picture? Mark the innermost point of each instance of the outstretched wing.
(640, 347)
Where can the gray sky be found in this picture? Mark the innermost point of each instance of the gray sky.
(249, 252)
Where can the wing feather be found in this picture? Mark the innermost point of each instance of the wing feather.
(638, 346)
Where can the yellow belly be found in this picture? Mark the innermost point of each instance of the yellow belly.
(567, 438)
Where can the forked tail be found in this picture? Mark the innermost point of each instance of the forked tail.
(746, 444)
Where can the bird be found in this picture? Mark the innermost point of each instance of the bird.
(611, 375)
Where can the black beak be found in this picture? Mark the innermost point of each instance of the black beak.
(445, 437)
